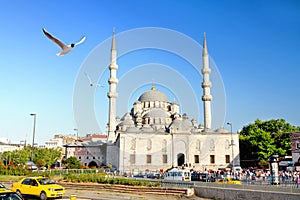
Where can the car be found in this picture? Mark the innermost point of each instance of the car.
(41, 187)
(229, 181)
(6, 194)
(139, 176)
(154, 176)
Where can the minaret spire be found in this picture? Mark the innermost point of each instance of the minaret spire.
(153, 87)
(112, 94)
(206, 85)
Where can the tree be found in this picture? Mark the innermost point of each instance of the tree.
(42, 156)
(72, 163)
(48, 155)
(260, 140)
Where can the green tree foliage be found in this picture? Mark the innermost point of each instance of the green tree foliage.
(262, 139)
(72, 163)
(43, 157)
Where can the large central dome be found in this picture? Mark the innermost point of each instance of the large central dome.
(153, 95)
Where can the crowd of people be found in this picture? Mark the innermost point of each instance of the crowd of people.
(263, 176)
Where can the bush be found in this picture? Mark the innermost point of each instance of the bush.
(104, 179)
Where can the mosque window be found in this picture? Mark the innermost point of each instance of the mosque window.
(212, 159)
(165, 158)
(297, 145)
(132, 158)
(196, 159)
(198, 144)
(227, 158)
(212, 145)
(164, 146)
(149, 144)
(133, 144)
(227, 145)
(148, 159)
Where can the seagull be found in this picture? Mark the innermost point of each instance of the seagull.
(91, 82)
(65, 48)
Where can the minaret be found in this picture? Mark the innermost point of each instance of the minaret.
(112, 94)
(206, 85)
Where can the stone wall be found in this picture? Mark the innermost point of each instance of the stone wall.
(231, 193)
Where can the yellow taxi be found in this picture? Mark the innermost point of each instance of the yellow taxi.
(41, 187)
(229, 181)
(6, 194)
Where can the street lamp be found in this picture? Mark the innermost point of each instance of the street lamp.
(231, 143)
(75, 129)
(33, 135)
(172, 150)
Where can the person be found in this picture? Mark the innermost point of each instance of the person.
(247, 176)
(297, 180)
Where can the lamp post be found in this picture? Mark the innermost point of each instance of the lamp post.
(75, 129)
(33, 135)
(172, 150)
(231, 143)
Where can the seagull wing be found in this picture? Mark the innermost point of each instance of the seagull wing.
(99, 85)
(81, 40)
(55, 40)
(90, 80)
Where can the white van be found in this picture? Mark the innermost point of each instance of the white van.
(176, 174)
(237, 169)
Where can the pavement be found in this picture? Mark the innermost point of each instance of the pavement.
(74, 194)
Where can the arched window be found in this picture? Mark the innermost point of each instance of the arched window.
(149, 144)
(211, 145)
(164, 146)
(133, 144)
(227, 144)
(198, 144)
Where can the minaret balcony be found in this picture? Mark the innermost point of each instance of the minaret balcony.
(113, 80)
(112, 94)
(206, 84)
(205, 70)
(206, 97)
(113, 66)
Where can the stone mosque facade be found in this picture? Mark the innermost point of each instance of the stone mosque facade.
(154, 135)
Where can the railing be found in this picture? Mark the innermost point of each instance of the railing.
(63, 172)
(259, 184)
(262, 184)
(177, 184)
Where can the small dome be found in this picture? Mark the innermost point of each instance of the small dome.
(147, 128)
(153, 95)
(126, 120)
(207, 130)
(181, 125)
(157, 113)
(132, 129)
(221, 130)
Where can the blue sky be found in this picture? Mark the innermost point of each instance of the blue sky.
(255, 45)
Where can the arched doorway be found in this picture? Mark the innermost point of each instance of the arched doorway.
(93, 164)
(180, 159)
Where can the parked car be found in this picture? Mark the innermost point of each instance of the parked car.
(154, 176)
(203, 176)
(41, 187)
(6, 194)
(229, 181)
(139, 176)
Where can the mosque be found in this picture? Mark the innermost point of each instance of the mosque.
(154, 135)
